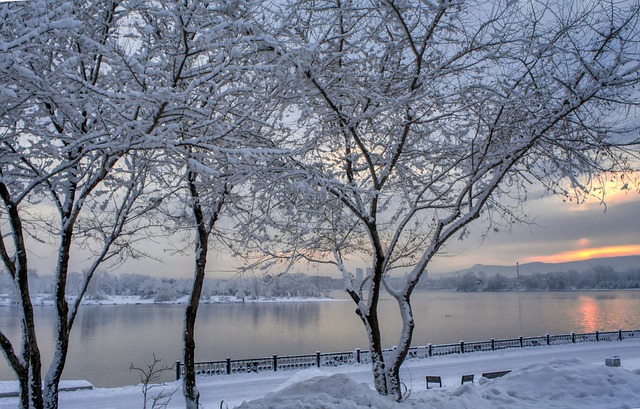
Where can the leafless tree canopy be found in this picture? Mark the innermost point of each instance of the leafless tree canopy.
(317, 130)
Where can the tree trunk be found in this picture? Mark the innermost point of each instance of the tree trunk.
(52, 378)
(20, 367)
(369, 315)
(394, 384)
(377, 358)
(23, 383)
(50, 394)
(30, 350)
(372, 327)
(54, 374)
(189, 388)
(30, 380)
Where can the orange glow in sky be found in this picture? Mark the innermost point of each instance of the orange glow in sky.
(617, 188)
(585, 254)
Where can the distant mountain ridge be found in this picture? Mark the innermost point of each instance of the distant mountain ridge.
(616, 263)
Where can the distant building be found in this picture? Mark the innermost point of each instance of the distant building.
(329, 283)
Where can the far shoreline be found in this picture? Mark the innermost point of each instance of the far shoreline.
(46, 300)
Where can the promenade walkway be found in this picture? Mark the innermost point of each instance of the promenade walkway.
(234, 389)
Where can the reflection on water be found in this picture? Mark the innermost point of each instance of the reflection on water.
(107, 339)
(590, 312)
(605, 311)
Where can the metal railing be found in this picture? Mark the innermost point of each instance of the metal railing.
(319, 359)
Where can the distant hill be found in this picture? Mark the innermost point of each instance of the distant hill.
(616, 263)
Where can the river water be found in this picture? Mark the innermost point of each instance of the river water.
(106, 340)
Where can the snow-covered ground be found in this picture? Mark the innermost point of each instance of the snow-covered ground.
(567, 376)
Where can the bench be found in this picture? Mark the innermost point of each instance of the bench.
(466, 378)
(494, 375)
(10, 389)
(434, 379)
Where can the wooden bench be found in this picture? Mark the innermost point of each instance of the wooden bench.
(434, 379)
(494, 375)
(466, 378)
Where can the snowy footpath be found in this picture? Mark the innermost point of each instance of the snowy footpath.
(566, 376)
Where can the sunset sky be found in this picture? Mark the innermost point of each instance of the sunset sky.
(562, 231)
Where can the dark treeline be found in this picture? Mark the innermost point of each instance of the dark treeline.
(599, 277)
(105, 285)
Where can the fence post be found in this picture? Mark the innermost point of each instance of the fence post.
(597, 336)
(358, 355)
(318, 359)
(620, 334)
(521, 343)
(493, 344)
(177, 370)
(462, 347)
(228, 366)
(548, 339)
(275, 362)
(573, 337)
(430, 351)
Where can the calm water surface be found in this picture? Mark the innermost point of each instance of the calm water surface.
(107, 339)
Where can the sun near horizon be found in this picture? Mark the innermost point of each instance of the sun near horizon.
(587, 254)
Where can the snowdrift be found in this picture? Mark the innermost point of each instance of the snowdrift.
(565, 383)
(336, 391)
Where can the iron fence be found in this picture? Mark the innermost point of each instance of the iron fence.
(320, 359)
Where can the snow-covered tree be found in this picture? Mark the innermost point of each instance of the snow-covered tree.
(414, 119)
(69, 175)
(206, 65)
(425, 116)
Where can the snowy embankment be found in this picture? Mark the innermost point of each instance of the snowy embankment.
(566, 376)
(47, 299)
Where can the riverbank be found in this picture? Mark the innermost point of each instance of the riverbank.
(47, 300)
(564, 376)
(107, 339)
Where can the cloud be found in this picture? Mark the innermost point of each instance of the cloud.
(587, 253)
(558, 231)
